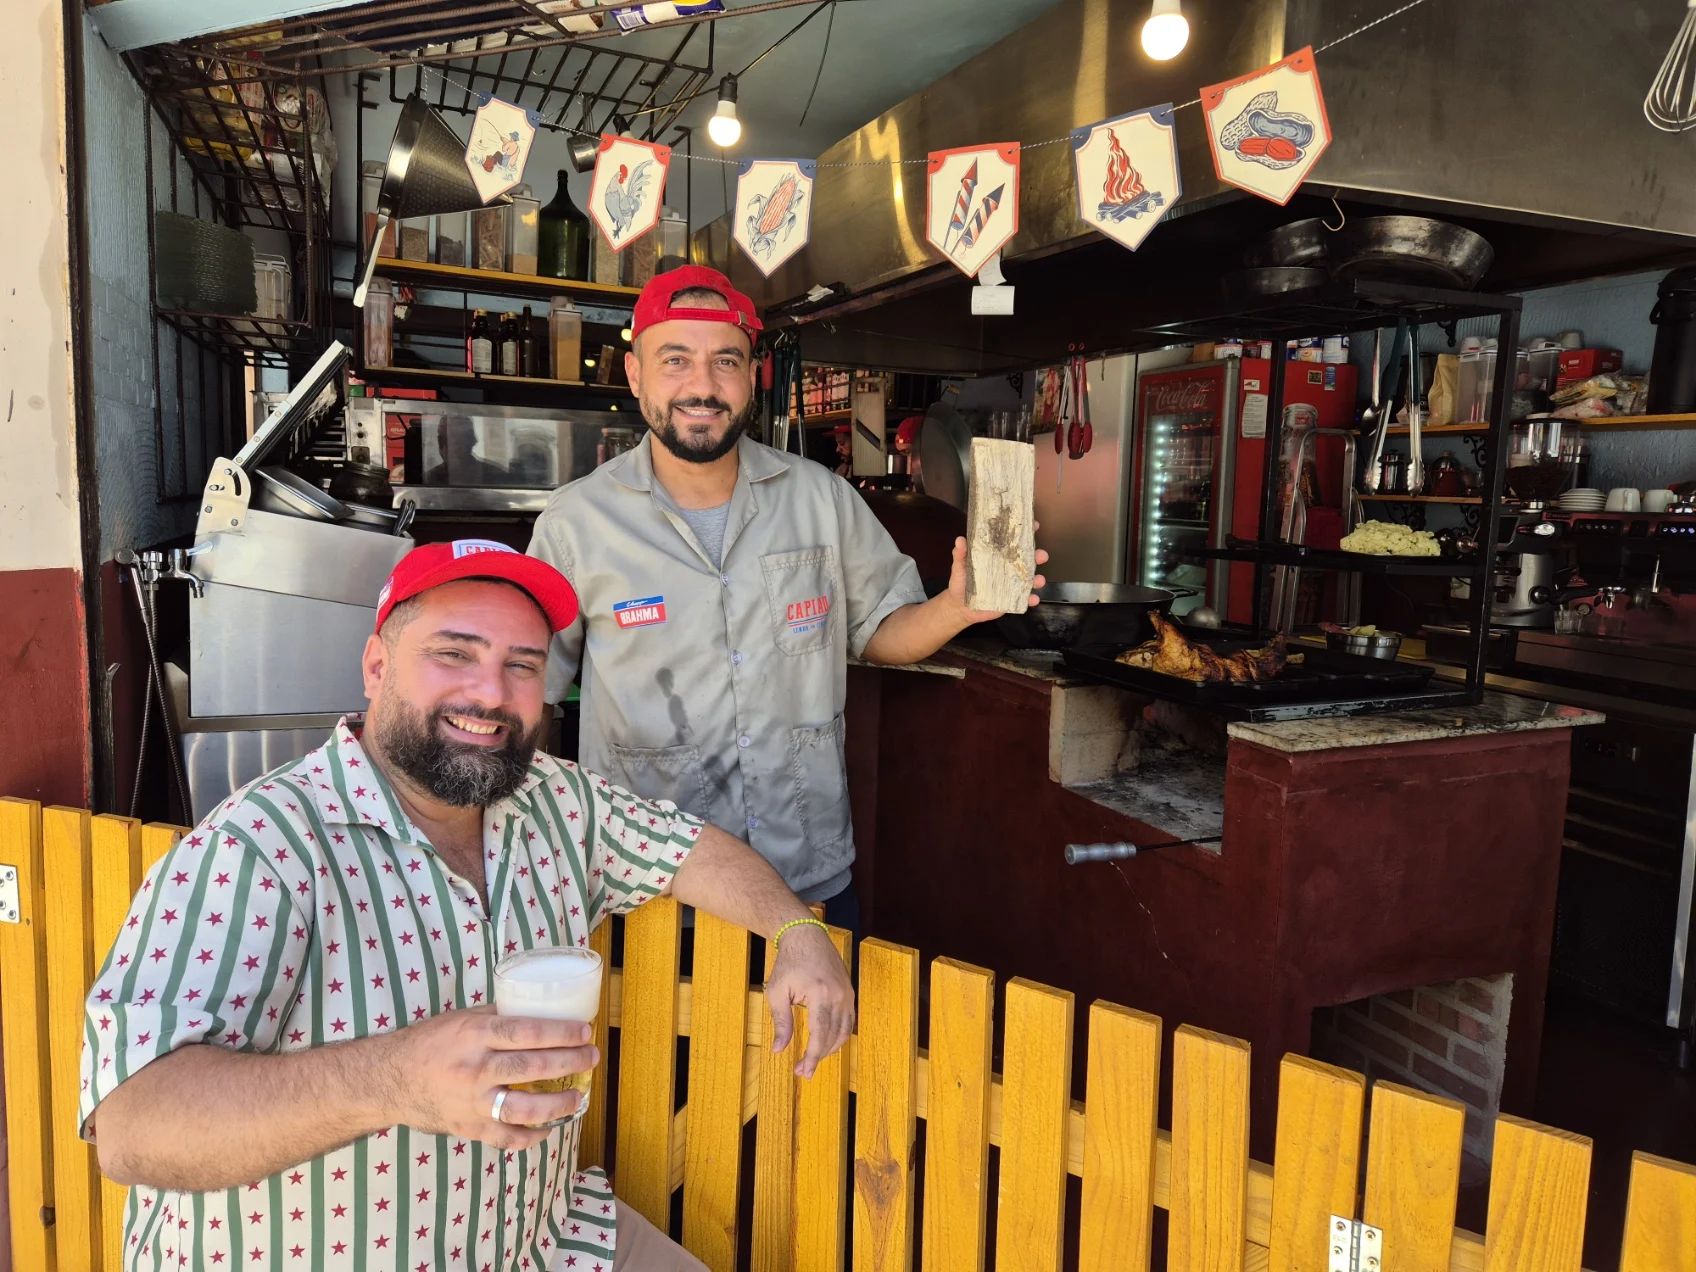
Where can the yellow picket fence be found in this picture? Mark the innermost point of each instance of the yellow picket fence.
(76, 874)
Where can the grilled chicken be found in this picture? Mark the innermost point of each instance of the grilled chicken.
(1173, 654)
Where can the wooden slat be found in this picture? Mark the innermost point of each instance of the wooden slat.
(1660, 1217)
(592, 1143)
(1209, 1151)
(117, 874)
(821, 1158)
(962, 1003)
(885, 1107)
(1001, 555)
(648, 1059)
(774, 1145)
(70, 970)
(157, 839)
(712, 1173)
(24, 1025)
(1539, 1185)
(1318, 1155)
(1036, 1092)
(1413, 1175)
(1117, 1216)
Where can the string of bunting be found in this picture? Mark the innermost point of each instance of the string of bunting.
(1265, 132)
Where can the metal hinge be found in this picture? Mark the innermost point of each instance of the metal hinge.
(8, 894)
(1355, 1247)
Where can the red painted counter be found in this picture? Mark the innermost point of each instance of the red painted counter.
(1344, 872)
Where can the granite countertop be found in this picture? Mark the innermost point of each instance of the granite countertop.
(1039, 664)
(1179, 791)
(1498, 713)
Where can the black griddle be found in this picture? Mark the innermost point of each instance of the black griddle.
(1323, 684)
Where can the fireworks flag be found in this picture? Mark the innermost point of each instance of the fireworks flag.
(774, 210)
(1127, 173)
(965, 226)
(1268, 129)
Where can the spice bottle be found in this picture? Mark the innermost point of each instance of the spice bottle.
(480, 345)
(509, 344)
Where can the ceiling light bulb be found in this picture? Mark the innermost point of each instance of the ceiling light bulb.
(624, 334)
(724, 128)
(1166, 31)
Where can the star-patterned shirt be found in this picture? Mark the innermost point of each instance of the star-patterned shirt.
(308, 909)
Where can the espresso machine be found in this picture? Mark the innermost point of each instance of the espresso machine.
(1535, 561)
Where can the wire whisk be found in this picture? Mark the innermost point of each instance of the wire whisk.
(1671, 103)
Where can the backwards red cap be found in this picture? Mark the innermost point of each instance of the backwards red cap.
(654, 304)
(437, 563)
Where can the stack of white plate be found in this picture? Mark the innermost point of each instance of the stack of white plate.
(1583, 499)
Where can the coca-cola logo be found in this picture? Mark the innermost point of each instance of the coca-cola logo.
(1181, 395)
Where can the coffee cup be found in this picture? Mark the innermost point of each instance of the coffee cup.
(1658, 500)
(1624, 499)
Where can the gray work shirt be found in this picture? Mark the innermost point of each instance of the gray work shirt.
(721, 688)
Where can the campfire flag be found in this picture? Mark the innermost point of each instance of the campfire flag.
(1127, 173)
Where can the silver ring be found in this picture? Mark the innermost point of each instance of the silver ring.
(500, 1103)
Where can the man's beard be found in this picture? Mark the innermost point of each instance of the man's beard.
(659, 419)
(459, 774)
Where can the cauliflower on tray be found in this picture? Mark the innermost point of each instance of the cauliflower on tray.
(1386, 538)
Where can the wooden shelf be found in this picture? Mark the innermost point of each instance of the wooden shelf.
(1639, 423)
(379, 374)
(1430, 499)
(425, 274)
(1440, 430)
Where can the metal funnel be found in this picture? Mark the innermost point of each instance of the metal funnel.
(425, 176)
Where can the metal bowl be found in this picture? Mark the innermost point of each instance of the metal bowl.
(1385, 645)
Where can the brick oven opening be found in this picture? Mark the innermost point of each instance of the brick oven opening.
(1448, 1039)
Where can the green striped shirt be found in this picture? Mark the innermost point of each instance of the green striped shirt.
(308, 909)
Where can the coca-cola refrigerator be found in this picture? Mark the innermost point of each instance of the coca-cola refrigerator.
(1199, 458)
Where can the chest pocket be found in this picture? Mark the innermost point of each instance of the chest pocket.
(801, 590)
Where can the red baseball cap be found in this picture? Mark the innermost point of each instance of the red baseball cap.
(842, 430)
(909, 430)
(436, 563)
(654, 304)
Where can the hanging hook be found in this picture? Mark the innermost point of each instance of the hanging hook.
(1342, 217)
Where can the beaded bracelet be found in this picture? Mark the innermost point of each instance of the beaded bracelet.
(776, 941)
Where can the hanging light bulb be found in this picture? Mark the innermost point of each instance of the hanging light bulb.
(724, 128)
(1166, 31)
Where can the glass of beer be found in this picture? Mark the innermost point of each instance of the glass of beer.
(552, 983)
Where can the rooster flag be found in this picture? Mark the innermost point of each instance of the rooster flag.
(774, 209)
(972, 206)
(1268, 129)
(629, 183)
(1127, 173)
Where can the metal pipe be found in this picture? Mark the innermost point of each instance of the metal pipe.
(1077, 854)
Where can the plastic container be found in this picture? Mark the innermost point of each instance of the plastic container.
(453, 232)
(522, 225)
(488, 239)
(379, 324)
(671, 240)
(565, 340)
(271, 286)
(371, 187)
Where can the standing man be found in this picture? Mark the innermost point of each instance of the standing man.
(290, 1049)
(724, 586)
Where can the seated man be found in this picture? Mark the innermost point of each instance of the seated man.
(292, 1053)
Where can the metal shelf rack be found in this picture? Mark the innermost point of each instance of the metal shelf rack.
(1342, 308)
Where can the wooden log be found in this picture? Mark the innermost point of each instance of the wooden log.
(1000, 526)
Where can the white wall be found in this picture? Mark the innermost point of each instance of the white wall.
(38, 479)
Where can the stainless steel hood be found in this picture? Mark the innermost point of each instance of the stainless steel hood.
(1521, 118)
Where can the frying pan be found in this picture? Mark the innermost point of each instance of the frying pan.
(425, 176)
(1300, 243)
(1410, 249)
(1073, 614)
(945, 453)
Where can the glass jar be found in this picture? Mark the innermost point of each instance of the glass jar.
(523, 231)
(379, 315)
(565, 340)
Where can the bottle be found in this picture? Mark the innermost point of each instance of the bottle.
(509, 344)
(527, 345)
(563, 237)
(479, 346)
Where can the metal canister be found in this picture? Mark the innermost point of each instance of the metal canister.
(1390, 473)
